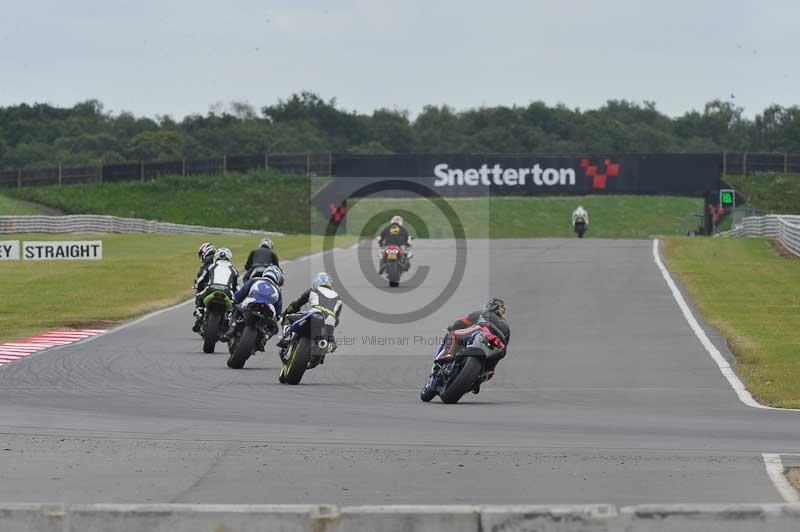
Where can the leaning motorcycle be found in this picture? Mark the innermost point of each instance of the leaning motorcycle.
(218, 303)
(308, 347)
(456, 371)
(580, 226)
(394, 262)
(253, 328)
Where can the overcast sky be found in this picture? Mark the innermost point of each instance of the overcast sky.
(177, 57)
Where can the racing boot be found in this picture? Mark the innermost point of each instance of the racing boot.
(286, 338)
(198, 319)
(476, 388)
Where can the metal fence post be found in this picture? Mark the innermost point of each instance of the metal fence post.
(183, 167)
(100, 172)
(141, 170)
(744, 163)
(224, 165)
(60, 174)
(330, 163)
(266, 161)
(19, 177)
(725, 163)
(308, 164)
(785, 162)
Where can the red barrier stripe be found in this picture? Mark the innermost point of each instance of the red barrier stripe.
(13, 351)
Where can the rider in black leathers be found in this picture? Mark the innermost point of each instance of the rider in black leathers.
(395, 234)
(261, 257)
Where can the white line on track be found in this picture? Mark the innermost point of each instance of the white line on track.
(724, 366)
(777, 475)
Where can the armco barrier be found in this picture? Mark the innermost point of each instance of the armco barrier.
(325, 518)
(92, 223)
(785, 228)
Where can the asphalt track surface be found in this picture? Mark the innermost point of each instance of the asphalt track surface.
(606, 396)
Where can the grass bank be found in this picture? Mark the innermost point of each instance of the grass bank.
(504, 217)
(261, 200)
(138, 273)
(270, 201)
(11, 206)
(752, 295)
(774, 193)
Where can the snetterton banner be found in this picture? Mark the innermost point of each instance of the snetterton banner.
(434, 175)
(476, 175)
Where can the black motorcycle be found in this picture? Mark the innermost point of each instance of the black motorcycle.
(460, 369)
(218, 302)
(255, 325)
(308, 347)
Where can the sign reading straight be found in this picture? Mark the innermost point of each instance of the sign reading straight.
(9, 249)
(63, 250)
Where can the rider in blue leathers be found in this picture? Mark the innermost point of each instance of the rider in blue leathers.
(264, 289)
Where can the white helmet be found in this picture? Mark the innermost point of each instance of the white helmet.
(223, 254)
(397, 220)
(266, 243)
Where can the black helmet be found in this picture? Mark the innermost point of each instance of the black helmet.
(495, 306)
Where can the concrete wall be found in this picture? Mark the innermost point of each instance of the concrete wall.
(15, 517)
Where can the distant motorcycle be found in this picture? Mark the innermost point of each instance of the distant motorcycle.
(308, 347)
(218, 303)
(457, 372)
(253, 328)
(394, 262)
(580, 226)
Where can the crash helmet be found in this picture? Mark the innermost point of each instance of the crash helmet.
(274, 274)
(206, 250)
(495, 306)
(223, 254)
(266, 243)
(397, 219)
(322, 279)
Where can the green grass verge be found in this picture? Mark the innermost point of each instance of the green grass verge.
(504, 217)
(11, 206)
(752, 296)
(258, 200)
(139, 273)
(775, 193)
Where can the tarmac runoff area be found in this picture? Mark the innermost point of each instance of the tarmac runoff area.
(607, 397)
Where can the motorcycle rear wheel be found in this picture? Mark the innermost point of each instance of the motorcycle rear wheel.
(245, 347)
(298, 361)
(463, 381)
(211, 336)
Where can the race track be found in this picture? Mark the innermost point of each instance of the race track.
(606, 396)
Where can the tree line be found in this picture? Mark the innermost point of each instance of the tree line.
(85, 134)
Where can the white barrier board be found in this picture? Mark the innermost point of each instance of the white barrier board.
(63, 250)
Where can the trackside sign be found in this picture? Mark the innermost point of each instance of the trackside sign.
(499, 176)
(63, 250)
(9, 249)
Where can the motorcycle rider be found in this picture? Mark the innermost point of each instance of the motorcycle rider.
(261, 257)
(580, 211)
(220, 274)
(397, 235)
(206, 256)
(320, 296)
(492, 316)
(265, 287)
